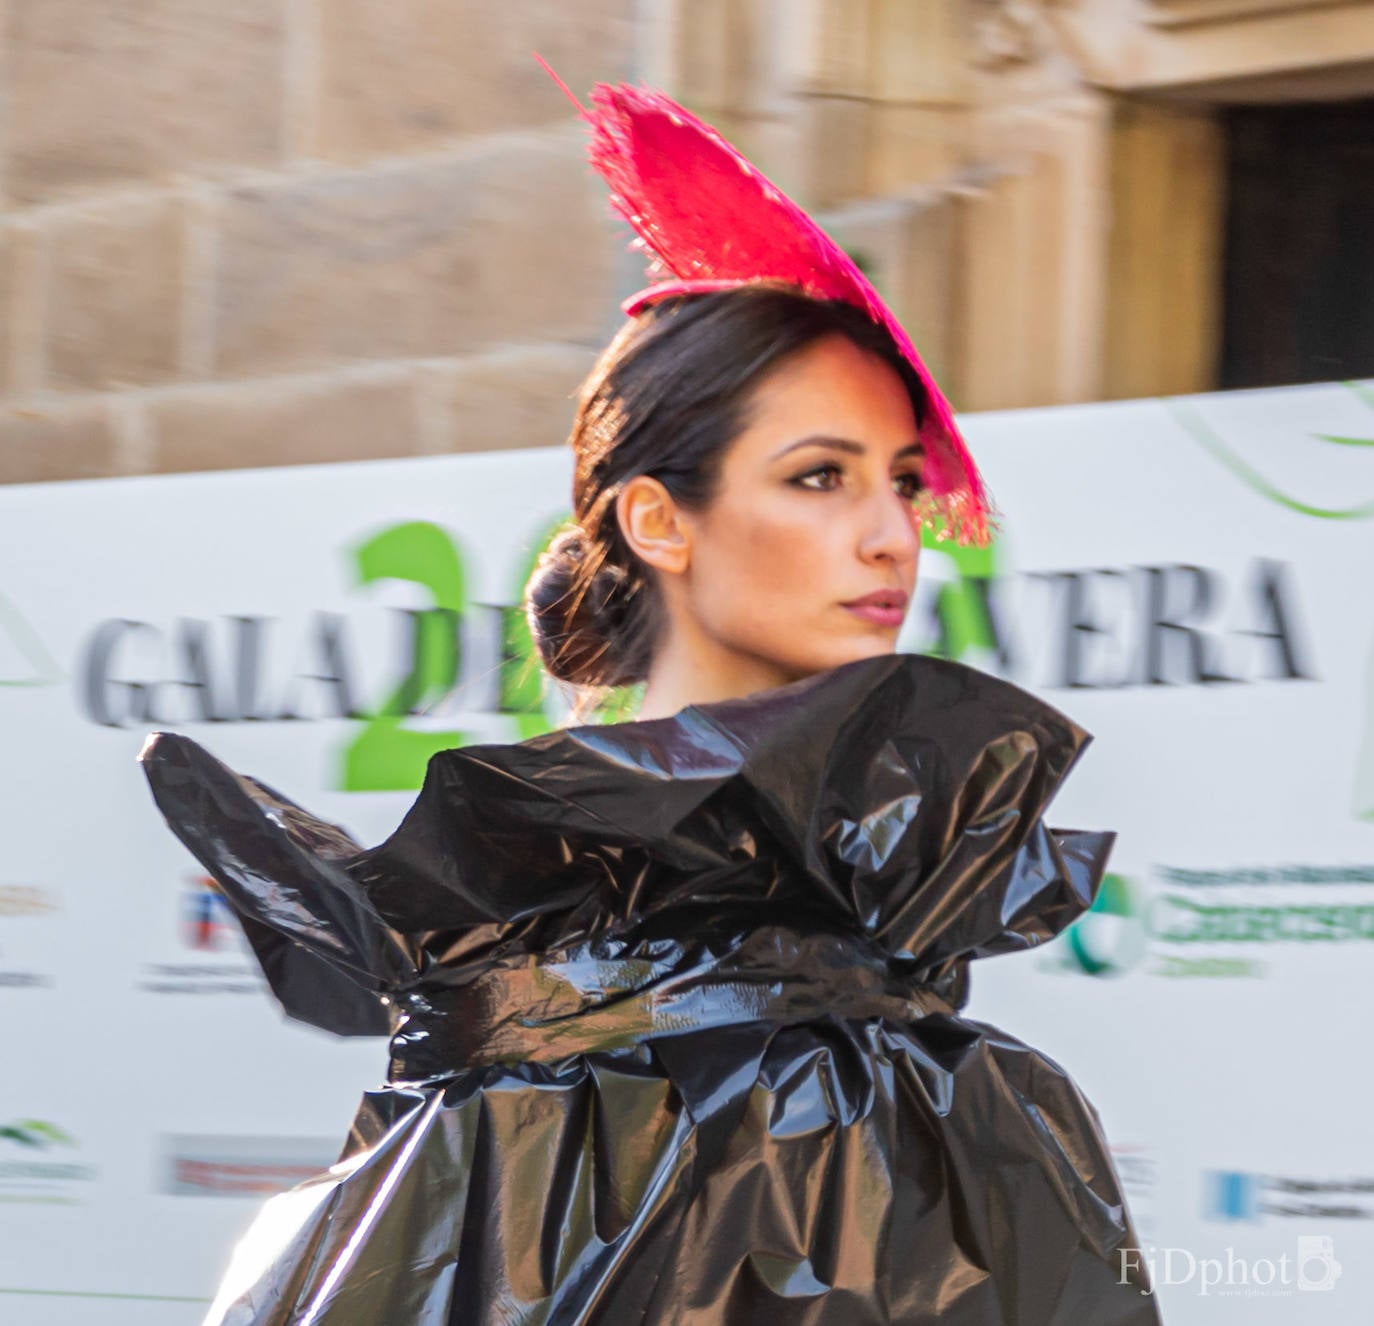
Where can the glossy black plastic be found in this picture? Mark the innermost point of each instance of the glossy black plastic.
(676, 1021)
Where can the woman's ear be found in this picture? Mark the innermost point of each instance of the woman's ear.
(653, 525)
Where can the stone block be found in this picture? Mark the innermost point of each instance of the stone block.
(23, 284)
(64, 442)
(759, 67)
(521, 397)
(838, 132)
(113, 303)
(927, 308)
(1011, 319)
(920, 52)
(415, 74)
(305, 421)
(509, 240)
(913, 146)
(826, 46)
(105, 92)
(708, 56)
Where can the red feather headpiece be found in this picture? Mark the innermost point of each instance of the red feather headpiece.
(712, 222)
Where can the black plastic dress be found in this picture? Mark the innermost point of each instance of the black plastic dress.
(675, 1015)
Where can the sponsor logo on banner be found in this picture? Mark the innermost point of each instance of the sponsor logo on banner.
(23, 902)
(1215, 923)
(207, 920)
(208, 1166)
(215, 958)
(40, 1162)
(1240, 1195)
(1109, 939)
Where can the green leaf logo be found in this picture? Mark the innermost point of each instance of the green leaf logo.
(37, 1134)
(1192, 423)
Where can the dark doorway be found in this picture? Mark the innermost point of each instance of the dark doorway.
(1299, 269)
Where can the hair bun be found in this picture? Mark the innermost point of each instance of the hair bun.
(579, 605)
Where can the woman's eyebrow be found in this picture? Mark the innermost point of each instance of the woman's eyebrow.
(845, 444)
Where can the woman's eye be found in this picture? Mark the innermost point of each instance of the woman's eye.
(826, 477)
(822, 478)
(910, 486)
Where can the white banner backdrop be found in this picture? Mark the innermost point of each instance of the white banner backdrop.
(1189, 579)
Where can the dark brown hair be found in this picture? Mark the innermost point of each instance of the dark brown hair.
(666, 399)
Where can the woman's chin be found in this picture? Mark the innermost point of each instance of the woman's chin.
(872, 648)
(848, 651)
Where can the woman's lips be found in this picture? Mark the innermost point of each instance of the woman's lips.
(884, 607)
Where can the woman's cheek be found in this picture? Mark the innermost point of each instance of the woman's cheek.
(782, 556)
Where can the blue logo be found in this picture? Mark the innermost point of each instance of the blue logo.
(1232, 1195)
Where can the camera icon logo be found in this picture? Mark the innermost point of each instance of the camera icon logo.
(1317, 1264)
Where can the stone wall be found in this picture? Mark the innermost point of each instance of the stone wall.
(282, 231)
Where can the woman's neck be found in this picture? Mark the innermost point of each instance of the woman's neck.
(699, 671)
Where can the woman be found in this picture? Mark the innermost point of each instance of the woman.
(675, 1001)
(748, 466)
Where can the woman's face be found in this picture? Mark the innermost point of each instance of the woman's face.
(806, 557)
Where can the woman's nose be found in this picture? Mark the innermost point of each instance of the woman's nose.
(891, 532)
